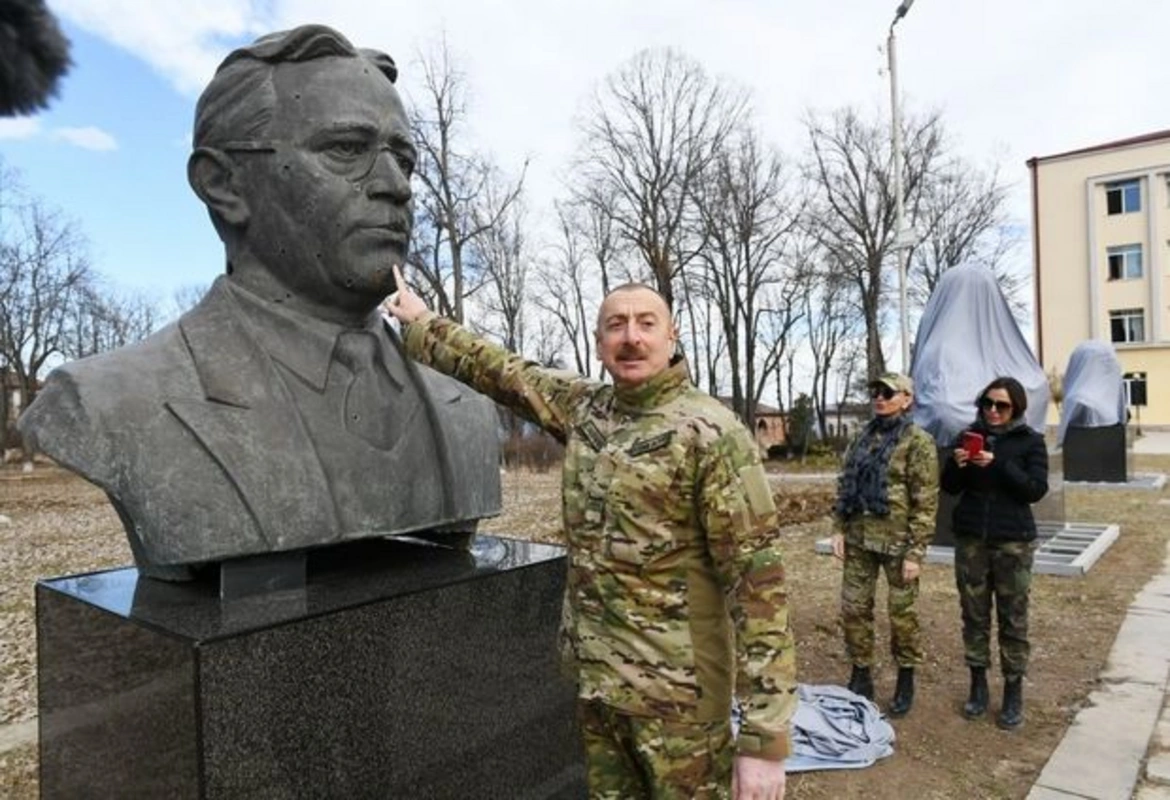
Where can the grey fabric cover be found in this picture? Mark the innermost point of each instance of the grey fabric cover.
(1094, 394)
(833, 728)
(966, 338)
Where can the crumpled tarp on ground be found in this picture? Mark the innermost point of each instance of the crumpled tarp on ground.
(966, 338)
(833, 728)
(1094, 393)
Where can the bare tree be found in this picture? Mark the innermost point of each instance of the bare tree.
(962, 217)
(102, 319)
(832, 324)
(501, 251)
(852, 214)
(44, 270)
(564, 278)
(648, 134)
(186, 297)
(52, 304)
(746, 215)
(453, 178)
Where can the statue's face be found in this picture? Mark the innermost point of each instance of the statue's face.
(330, 204)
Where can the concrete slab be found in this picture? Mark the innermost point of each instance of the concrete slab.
(1138, 480)
(1155, 595)
(1161, 740)
(1102, 752)
(1044, 793)
(1067, 549)
(1158, 768)
(1141, 651)
(1152, 441)
(1152, 791)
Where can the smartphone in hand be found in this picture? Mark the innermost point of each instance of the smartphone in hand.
(972, 443)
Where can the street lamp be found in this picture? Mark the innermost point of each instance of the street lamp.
(903, 241)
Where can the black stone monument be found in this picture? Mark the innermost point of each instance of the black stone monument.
(1095, 454)
(400, 670)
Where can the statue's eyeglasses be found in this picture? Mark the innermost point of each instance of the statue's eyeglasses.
(352, 159)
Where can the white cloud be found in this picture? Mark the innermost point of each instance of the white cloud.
(19, 128)
(88, 138)
(182, 40)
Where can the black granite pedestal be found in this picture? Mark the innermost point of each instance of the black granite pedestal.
(1095, 455)
(402, 670)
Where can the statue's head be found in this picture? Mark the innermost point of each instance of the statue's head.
(303, 155)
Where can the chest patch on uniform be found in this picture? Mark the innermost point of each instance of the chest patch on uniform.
(643, 446)
(592, 434)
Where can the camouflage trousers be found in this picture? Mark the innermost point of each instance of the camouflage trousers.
(858, 586)
(1002, 570)
(639, 758)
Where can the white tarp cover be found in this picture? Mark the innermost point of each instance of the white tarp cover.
(966, 338)
(1094, 394)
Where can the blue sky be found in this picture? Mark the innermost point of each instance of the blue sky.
(1013, 80)
(125, 182)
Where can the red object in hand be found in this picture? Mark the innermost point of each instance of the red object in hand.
(972, 443)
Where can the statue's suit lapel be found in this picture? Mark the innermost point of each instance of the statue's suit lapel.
(248, 423)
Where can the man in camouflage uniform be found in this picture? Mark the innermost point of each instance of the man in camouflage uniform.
(885, 517)
(675, 598)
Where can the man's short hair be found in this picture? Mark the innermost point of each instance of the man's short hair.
(632, 286)
(240, 100)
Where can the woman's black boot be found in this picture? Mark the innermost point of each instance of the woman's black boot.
(976, 705)
(903, 693)
(1011, 715)
(861, 682)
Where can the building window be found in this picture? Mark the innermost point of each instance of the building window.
(1125, 262)
(1123, 197)
(1127, 325)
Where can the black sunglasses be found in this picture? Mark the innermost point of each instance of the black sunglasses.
(1002, 406)
(884, 392)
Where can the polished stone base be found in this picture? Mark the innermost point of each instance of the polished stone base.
(402, 670)
(1096, 455)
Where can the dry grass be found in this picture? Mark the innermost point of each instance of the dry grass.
(60, 525)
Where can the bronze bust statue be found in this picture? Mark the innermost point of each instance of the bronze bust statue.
(280, 413)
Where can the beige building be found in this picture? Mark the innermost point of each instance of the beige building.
(1101, 261)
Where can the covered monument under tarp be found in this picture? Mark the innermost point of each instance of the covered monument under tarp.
(1092, 416)
(966, 338)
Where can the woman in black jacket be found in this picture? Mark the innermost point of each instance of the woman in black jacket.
(999, 467)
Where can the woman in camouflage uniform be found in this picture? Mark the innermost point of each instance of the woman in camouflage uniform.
(887, 498)
(998, 478)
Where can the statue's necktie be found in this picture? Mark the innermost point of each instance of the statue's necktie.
(369, 398)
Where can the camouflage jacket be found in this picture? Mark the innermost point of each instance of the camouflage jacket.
(675, 596)
(913, 494)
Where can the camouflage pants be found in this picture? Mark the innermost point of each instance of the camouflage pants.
(858, 586)
(1002, 570)
(639, 758)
